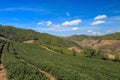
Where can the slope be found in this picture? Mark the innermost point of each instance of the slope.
(112, 36)
(64, 67)
(22, 35)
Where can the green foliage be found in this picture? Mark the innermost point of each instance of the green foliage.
(78, 37)
(74, 52)
(113, 36)
(117, 58)
(20, 35)
(104, 56)
(16, 69)
(65, 67)
(81, 37)
(90, 52)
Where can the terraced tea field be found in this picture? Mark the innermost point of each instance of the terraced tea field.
(24, 61)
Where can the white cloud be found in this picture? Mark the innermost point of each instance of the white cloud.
(54, 27)
(40, 23)
(96, 33)
(75, 28)
(48, 23)
(97, 23)
(100, 17)
(67, 14)
(90, 31)
(71, 23)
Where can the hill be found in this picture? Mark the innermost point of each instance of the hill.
(106, 46)
(32, 62)
(112, 36)
(29, 55)
(27, 35)
(79, 37)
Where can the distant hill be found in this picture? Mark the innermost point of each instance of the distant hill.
(78, 37)
(112, 36)
(108, 44)
(20, 35)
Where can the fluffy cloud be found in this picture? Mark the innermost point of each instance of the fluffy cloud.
(40, 23)
(48, 23)
(54, 27)
(90, 31)
(97, 22)
(67, 14)
(94, 33)
(71, 23)
(75, 28)
(100, 17)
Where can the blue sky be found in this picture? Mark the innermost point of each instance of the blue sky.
(63, 17)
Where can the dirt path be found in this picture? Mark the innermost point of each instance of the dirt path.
(2, 72)
(28, 41)
(48, 75)
(47, 49)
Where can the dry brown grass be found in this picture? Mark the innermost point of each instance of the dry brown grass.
(2, 72)
(28, 41)
(76, 49)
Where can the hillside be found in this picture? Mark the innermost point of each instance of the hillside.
(105, 47)
(29, 55)
(25, 35)
(78, 37)
(112, 36)
(32, 62)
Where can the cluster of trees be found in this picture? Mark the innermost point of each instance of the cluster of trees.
(90, 52)
(97, 53)
(117, 58)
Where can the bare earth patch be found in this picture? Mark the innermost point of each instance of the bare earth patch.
(28, 41)
(2, 38)
(110, 56)
(2, 72)
(47, 48)
(75, 48)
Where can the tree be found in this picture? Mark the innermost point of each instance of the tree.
(89, 52)
(74, 52)
(117, 57)
(61, 51)
(104, 56)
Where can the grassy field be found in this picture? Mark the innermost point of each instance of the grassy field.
(18, 59)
